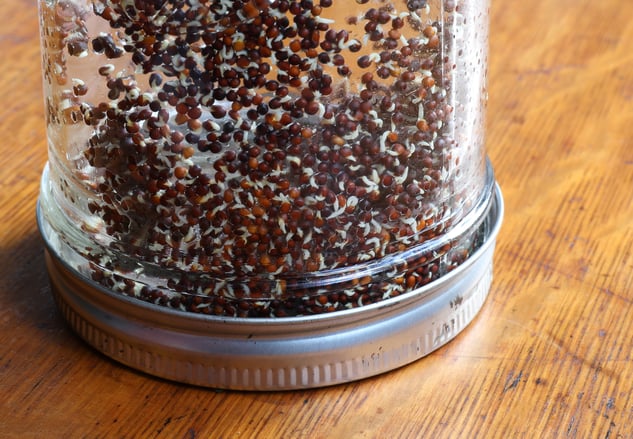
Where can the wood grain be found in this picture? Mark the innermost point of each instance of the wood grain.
(550, 355)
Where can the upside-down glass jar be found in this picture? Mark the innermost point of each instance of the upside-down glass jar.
(267, 194)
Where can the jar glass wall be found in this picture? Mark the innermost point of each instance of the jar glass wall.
(264, 158)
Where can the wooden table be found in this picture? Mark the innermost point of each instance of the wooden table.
(551, 353)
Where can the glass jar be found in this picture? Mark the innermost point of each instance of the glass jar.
(264, 159)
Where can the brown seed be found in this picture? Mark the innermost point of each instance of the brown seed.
(180, 172)
(434, 42)
(428, 82)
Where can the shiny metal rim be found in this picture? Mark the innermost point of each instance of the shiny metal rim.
(278, 354)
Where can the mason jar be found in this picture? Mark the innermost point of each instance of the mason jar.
(259, 180)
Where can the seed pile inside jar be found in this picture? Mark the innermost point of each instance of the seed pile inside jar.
(243, 150)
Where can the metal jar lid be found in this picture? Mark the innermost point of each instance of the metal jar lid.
(285, 353)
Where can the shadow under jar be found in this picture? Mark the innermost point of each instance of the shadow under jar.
(292, 170)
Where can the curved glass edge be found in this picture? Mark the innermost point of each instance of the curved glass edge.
(492, 224)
